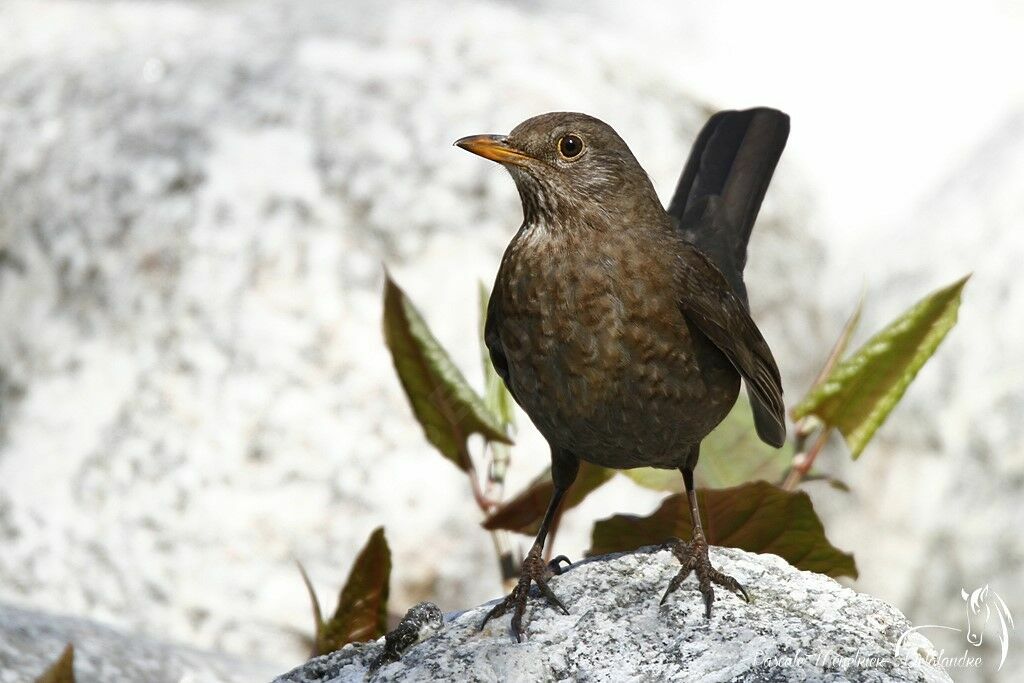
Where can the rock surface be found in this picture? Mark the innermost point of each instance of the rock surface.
(31, 641)
(799, 626)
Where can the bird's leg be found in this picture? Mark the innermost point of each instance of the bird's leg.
(535, 570)
(694, 557)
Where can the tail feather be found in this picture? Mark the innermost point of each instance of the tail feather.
(724, 182)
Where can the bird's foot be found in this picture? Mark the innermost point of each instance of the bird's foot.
(535, 570)
(694, 558)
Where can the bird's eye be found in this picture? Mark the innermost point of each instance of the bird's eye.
(570, 146)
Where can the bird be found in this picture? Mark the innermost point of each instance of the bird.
(622, 328)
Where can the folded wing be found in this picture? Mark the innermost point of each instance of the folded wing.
(709, 302)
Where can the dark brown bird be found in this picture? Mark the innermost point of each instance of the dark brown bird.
(622, 329)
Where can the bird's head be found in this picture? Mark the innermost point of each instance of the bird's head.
(568, 166)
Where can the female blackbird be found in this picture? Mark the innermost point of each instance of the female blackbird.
(622, 329)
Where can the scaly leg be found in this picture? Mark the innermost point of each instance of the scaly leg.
(563, 470)
(694, 557)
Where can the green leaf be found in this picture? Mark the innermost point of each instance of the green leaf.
(656, 479)
(524, 512)
(62, 670)
(730, 455)
(361, 613)
(758, 517)
(863, 389)
(733, 453)
(446, 406)
(496, 396)
(497, 399)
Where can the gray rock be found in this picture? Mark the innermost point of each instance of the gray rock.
(799, 626)
(31, 641)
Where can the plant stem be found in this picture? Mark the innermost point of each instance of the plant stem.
(483, 501)
(803, 461)
(486, 502)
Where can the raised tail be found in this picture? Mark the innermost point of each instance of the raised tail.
(720, 192)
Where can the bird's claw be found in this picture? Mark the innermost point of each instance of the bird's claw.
(694, 558)
(535, 570)
(555, 564)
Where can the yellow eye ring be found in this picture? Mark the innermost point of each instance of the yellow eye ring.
(570, 146)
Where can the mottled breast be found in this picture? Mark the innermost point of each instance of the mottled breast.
(599, 354)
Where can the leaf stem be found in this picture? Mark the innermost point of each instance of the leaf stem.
(803, 461)
(483, 501)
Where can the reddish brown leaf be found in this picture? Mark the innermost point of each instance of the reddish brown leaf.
(362, 605)
(757, 516)
(524, 512)
(448, 409)
(62, 670)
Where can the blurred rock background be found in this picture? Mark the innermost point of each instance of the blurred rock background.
(196, 200)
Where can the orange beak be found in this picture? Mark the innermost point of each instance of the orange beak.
(493, 147)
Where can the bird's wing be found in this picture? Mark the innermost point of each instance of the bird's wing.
(492, 340)
(707, 300)
(726, 176)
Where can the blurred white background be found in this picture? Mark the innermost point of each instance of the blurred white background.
(196, 199)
